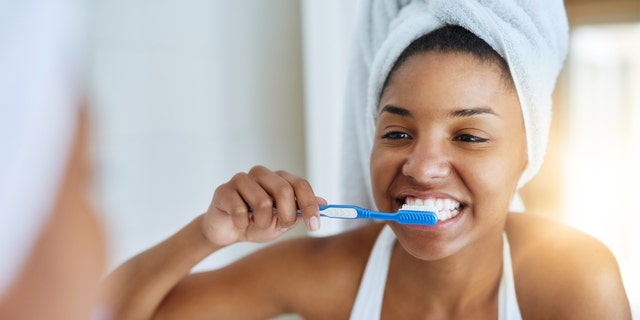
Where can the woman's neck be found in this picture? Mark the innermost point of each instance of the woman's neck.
(468, 279)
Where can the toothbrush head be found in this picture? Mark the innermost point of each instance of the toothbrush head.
(423, 214)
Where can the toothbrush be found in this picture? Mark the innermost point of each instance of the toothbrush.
(408, 214)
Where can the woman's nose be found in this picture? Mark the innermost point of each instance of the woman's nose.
(427, 162)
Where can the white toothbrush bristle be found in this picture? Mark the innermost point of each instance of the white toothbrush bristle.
(409, 207)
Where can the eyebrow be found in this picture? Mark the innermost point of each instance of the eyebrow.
(469, 112)
(396, 110)
(460, 113)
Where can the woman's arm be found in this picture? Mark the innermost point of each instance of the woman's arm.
(137, 289)
(315, 277)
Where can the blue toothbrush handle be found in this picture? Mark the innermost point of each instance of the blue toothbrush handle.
(427, 218)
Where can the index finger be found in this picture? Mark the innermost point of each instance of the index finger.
(306, 200)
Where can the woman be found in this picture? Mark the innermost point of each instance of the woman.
(449, 126)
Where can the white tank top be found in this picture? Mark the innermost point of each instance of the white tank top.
(368, 304)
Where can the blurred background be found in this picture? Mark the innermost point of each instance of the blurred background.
(591, 175)
(184, 94)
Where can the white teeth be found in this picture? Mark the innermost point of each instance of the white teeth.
(445, 208)
(429, 202)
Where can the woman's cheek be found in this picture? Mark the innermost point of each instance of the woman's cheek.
(498, 179)
(381, 164)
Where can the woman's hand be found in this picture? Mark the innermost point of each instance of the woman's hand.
(228, 219)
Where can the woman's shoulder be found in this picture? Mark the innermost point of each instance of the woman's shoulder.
(539, 237)
(561, 270)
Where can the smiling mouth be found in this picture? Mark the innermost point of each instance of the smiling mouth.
(445, 208)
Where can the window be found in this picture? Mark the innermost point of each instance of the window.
(601, 158)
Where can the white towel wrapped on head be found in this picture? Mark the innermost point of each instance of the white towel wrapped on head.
(532, 37)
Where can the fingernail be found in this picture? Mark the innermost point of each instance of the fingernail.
(314, 223)
(283, 229)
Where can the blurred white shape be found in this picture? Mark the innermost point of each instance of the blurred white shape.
(41, 64)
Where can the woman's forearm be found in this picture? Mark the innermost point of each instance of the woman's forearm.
(137, 288)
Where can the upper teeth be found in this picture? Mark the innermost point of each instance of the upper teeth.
(445, 208)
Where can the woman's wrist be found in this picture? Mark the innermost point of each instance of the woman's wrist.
(198, 241)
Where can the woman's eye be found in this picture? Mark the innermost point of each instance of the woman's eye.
(470, 138)
(396, 135)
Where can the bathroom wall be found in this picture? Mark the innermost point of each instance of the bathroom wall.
(184, 94)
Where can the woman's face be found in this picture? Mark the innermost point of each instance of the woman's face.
(449, 129)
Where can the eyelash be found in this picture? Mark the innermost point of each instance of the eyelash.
(469, 138)
(395, 135)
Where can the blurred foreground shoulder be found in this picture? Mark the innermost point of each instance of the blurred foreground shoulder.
(563, 273)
